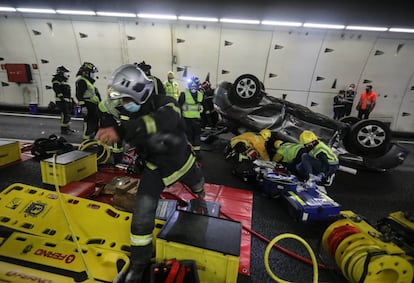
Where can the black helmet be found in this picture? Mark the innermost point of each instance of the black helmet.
(62, 71)
(87, 67)
(145, 67)
(130, 81)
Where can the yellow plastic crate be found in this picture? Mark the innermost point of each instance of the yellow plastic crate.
(9, 152)
(70, 166)
(31, 258)
(213, 243)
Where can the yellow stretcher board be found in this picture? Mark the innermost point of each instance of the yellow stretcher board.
(30, 258)
(38, 211)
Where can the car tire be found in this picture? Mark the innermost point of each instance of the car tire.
(369, 138)
(350, 120)
(247, 90)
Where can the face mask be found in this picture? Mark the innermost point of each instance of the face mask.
(132, 107)
(92, 75)
(66, 75)
(367, 90)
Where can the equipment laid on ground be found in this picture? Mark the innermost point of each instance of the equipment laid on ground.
(9, 152)
(71, 166)
(214, 244)
(364, 254)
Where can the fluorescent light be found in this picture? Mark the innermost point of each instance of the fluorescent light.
(286, 24)
(401, 30)
(240, 21)
(366, 28)
(7, 9)
(32, 10)
(76, 12)
(328, 26)
(114, 14)
(199, 19)
(157, 16)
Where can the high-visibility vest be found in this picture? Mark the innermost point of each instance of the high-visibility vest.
(89, 94)
(171, 89)
(367, 100)
(289, 151)
(190, 108)
(322, 147)
(253, 141)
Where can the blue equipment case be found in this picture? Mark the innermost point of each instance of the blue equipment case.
(310, 204)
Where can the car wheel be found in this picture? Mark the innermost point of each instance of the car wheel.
(247, 90)
(350, 120)
(369, 138)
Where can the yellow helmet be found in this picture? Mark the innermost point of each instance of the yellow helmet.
(278, 143)
(307, 137)
(266, 133)
(170, 75)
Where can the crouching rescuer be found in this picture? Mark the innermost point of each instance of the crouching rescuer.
(153, 124)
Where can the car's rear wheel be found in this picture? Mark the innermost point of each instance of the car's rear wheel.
(369, 138)
(247, 90)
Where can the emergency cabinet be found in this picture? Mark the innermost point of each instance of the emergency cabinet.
(18, 73)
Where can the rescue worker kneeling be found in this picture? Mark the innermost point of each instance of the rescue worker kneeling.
(320, 160)
(288, 154)
(152, 123)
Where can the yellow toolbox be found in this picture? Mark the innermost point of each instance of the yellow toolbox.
(9, 152)
(70, 166)
(213, 243)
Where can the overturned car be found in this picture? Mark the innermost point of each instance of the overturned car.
(361, 144)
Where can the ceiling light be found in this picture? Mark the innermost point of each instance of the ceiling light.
(240, 21)
(366, 28)
(7, 9)
(401, 30)
(328, 26)
(75, 12)
(32, 10)
(286, 24)
(199, 19)
(157, 16)
(114, 14)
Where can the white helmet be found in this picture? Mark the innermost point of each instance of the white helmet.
(130, 81)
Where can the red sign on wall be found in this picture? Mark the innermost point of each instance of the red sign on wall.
(18, 73)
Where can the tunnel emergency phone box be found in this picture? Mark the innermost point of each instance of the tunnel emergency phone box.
(70, 166)
(213, 243)
(9, 152)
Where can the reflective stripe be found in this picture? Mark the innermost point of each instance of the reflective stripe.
(289, 151)
(174, 107)
(151, 166)
(140, 240)
(196, 147)
(124, 117)
(89, 94)
(150, 124)
(298, 199)
(321, 147)
(174, 177)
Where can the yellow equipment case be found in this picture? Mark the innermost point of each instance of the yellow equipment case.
(9, 152)
(70, 166)
(213, 243)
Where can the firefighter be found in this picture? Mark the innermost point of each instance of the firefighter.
(288, 154)
(320, 162)
(349, 99)
(366, 103)
(209, 116)
(158, 85)
(171, 86)
(250, 146)
(63, 98)
(190, 102)
(153, 124)
(339, 105)
(88, 98)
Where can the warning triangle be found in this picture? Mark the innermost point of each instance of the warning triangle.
(314, 104)
(405, 114)
(319, 78)
(223, 72)
(44, 61)
(35, 32)
(327, 50)
(278, 46)
(131, 37)
(4, 84)
(83, 35)
(179, 40)
(272, 75)
(227, 43)
(367, 81)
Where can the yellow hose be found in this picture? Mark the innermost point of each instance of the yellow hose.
(295, 237)
(106, 151)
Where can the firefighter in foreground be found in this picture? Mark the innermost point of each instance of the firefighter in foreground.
(289, 154)
(88, 98)
(320, 160)
(63, 98)
(154, 126)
